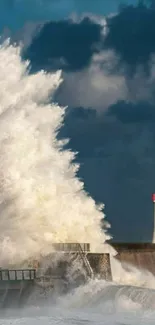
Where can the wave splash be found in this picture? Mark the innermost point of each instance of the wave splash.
(97, 302)
(41, 199)
(108, 303)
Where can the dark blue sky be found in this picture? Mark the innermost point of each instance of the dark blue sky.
(109, 88)
(15, 13)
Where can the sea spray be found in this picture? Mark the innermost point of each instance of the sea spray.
(128, 274)
(41, 199)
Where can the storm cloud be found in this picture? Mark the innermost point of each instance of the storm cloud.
(109, 86)
(103, 61)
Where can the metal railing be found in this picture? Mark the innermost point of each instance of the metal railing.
(86, 262)
(31, 273)
(17, 275)
(81, 248)
(71, 247)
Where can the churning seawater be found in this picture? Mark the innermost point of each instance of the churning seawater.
(95, 303)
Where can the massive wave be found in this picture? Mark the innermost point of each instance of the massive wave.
(41, 199)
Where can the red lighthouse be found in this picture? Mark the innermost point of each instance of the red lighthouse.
(153, 197)
(153, 200)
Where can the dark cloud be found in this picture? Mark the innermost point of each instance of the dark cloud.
(70, 45)
(132, 35)
(101, 63)
(65, 45)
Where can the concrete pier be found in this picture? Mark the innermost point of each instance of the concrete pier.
(139, 255)
(100, 263)
(55, 271)
(67, 262)
(14, 285)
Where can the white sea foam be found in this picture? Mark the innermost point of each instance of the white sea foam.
(41, 199)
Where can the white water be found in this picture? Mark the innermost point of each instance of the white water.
(42, 201)
(95, 303)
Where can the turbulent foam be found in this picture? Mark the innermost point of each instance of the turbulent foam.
(97, 302)
(97, 293)
(111, 304)
(41, 199)
(131, 275)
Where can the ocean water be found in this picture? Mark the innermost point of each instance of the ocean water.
(95, 303)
